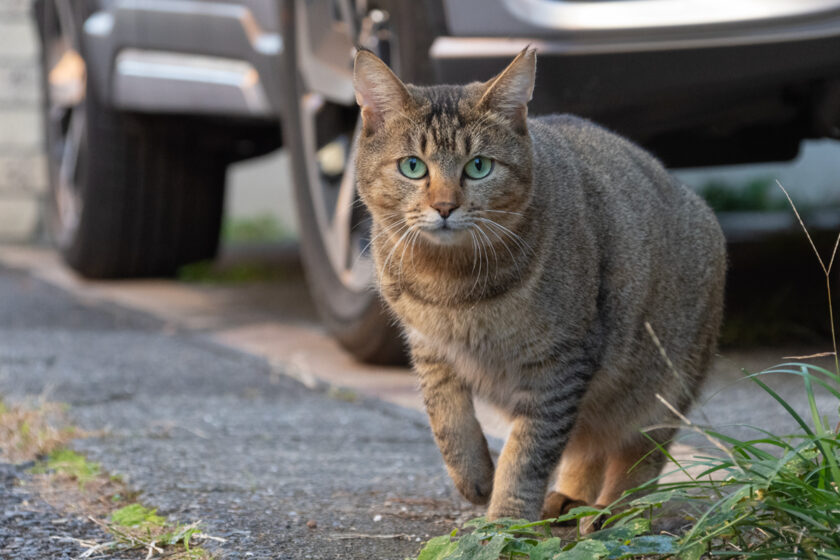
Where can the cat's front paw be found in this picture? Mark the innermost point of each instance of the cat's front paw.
(512, 508)
(531, 514)
(476, 483)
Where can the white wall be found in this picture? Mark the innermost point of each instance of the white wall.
(23, 178)
(262, 187)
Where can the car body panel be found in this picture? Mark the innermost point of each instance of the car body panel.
(187, 56)
(698, 82)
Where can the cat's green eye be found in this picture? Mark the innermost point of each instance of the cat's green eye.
(412, 167)
(478, 167)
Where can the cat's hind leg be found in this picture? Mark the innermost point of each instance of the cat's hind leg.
(632, 465)
(579, 476)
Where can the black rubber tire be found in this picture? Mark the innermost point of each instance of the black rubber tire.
(152, 189)
(359, 321)
(153, 200)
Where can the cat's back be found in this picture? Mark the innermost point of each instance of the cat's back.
(619, 187)
(653, 238)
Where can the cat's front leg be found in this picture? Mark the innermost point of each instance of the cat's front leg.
(542, 421)
(457, 432)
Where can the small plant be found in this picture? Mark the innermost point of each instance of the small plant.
(30, 430)
(753, 195)
(208, 272)
(137, 515)
(508, 538)
(747, 502)
(138, 527)
(262, 228)
(72, 483)
(69, 463)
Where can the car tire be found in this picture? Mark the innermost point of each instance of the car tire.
(352, 310)
(130, 195)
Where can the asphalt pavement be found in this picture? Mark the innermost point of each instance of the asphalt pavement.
(210, 433)
(195, 395)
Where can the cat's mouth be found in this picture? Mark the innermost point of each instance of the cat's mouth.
(445, 232)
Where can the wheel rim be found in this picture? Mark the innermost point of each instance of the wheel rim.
(66, 75)
(329, 123)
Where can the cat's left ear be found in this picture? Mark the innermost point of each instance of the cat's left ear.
(509, 92)
(379, 92)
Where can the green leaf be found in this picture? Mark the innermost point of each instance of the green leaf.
(472, 547)
(646, 545)
(785, 405)
(492, 549)
(585, 550)
(623, 532)
(135, 514)
(437, 548)
(692, 552)
(821, 429)
(578, 513)
(546, 550)
(654, 498)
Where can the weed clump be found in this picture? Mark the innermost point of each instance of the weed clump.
(38, 432)
(30, 430)
(68, 463)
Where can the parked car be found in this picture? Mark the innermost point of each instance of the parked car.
(148, 101)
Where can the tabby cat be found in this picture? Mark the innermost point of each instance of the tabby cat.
(523, 259)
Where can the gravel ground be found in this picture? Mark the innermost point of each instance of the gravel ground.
(212, 434)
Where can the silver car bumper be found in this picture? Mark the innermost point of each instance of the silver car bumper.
(187, 56)
(622, 25)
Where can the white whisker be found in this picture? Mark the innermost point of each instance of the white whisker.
(410, 241)
(396, 245)
(475, 245)
(523, 246)
(480, 261)
(495, 255)
(510, 253)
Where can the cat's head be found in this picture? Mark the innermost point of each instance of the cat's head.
(445, 159)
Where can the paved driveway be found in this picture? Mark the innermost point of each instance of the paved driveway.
(229, 404)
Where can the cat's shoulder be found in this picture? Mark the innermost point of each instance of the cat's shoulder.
(570, 126)
(565, 120)
(591, 141)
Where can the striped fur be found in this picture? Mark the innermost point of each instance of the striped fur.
(537, 294)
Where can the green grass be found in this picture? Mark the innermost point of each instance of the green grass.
(131, 527)
(257, 229)
(241, 231)
(138, 527)
(73, 480)
(772, 496)
(753, 195)
(68, 462)
(769, 497)
(135, 515)
(207, 272)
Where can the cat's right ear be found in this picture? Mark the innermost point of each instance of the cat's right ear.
(509, 93)
(379, 92)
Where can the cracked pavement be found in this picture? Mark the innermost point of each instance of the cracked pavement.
(207, 432)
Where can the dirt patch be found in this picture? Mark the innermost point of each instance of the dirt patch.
(66, 486)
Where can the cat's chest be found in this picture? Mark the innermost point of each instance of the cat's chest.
(483, 349)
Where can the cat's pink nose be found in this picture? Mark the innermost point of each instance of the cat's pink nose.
(445, 208)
